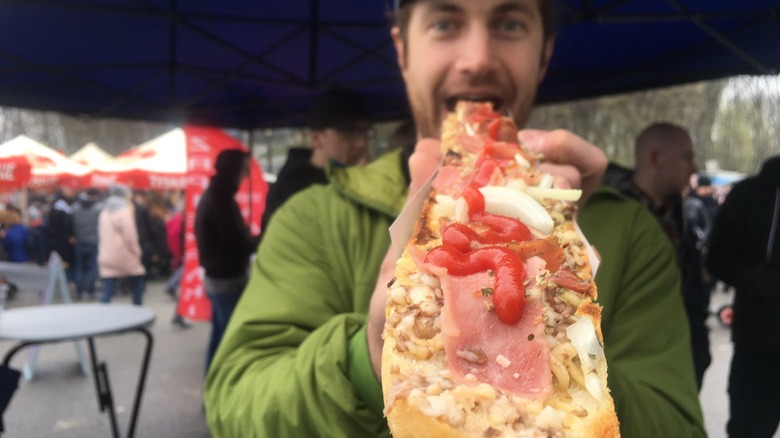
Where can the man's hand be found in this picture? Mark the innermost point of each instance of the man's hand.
(566, 155)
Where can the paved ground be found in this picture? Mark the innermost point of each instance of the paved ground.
(60, 401)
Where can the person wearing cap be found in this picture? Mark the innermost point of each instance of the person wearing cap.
(86, 211)
(224, 242)
(119, 251)
(339, 124)
(302, 353)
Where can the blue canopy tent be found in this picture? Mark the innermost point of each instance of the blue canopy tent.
(254, 64)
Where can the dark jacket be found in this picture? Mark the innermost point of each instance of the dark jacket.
(296, 175)
(60, 227)
(143, 223)
(224, 242)
(744, 251)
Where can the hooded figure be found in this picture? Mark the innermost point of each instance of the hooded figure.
(224, 242)
(744, 251)
(86, 212)
(119, 253)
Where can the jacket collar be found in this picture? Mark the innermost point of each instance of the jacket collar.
(381, 185)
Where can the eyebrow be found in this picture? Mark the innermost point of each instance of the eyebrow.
(443, 6)
(508, 6)
(516, 6)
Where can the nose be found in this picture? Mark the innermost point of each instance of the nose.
(475, 54)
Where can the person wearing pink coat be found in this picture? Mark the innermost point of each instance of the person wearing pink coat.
(119, 253)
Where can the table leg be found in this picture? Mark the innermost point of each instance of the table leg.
(103, 387)
(141, 380)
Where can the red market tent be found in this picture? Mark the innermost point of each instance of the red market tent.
(91, 155)
(158, 164)
(14, 173)
(49, 168)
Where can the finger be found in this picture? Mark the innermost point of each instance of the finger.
(563, 147)
(565, 176)
(423, 162)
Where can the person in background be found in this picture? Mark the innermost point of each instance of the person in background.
(119, 253)
(86, 212)
(664, 161)
(160, 261)
(302, 353)
(143, 224)
(339, 124)
(60, 226)
(744, 251)
(224, 242)
(39, 245)
(15, 235)
(175, 235)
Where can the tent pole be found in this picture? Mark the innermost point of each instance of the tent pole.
(251, 142)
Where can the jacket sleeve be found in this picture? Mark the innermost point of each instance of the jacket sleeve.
(646, 334)
(286, 366)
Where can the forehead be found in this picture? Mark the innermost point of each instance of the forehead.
(530, 7)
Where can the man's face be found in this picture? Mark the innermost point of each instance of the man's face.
(347, 145)
(676, 165)
(474, 50)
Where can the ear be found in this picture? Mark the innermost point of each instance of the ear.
(400, 49)
(549, 45)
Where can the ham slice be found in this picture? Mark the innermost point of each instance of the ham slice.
(514, 358)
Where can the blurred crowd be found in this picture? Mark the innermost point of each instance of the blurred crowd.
(85, 227)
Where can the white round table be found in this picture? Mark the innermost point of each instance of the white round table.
(66, 322)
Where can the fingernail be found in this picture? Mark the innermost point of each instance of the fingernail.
(530, 139)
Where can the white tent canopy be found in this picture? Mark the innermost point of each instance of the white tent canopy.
(49, 166)
(92, 156)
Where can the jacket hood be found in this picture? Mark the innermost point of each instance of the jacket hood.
(771, 169)
(114, 203)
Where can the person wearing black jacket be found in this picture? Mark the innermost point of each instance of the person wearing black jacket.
(224, 242)
(744, 251)
(339, 124)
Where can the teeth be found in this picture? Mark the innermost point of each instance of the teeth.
(452, 101)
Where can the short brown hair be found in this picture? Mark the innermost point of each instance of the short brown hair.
(401, 15)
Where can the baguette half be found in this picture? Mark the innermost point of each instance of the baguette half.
(465, 356)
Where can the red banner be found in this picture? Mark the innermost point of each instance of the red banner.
(203, 146)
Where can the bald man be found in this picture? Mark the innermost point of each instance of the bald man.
(663, 163)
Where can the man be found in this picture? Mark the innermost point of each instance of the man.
(338, 133)
(744, 251)
(60, 226)
(86, 212)
(663, 160)
(300, 357)
(224, 242)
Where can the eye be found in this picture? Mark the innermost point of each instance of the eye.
(510, 26)
(443, 25)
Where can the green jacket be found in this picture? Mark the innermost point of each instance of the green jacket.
(294, 362)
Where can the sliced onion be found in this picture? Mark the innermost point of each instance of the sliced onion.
(515, 204)
(583, 336)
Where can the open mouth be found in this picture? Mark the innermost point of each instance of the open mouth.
(452, 101)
